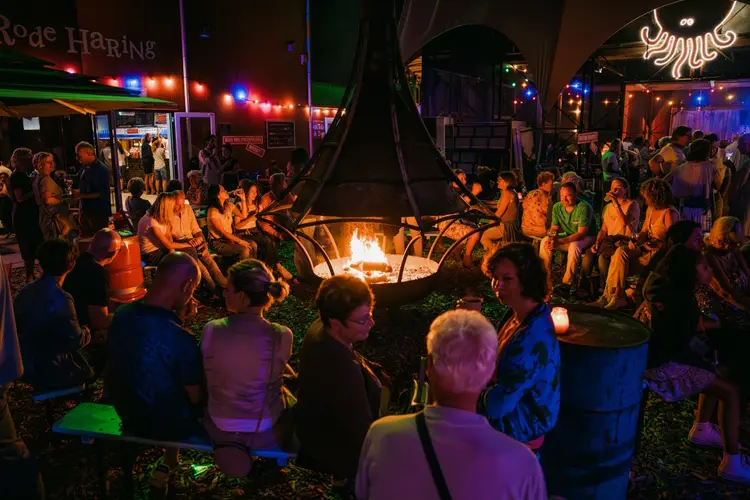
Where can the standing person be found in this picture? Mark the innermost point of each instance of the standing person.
(210, 163)
(51, 336)
(739, 189)
(339, 390)
(245, 357)
(723, 177)
(94, 191)
(54, 215)
(395, 459)
(220, 217)
(230, 168)
(6, 203)
(611, 162)
(693, 183)
(573, 229)
(25, 209)
(671, 155)
(161, 175)
(147, 162)
(619, 224)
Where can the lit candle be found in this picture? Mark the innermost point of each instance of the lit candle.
(560, 319)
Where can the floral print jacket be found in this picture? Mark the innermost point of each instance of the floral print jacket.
(525, 400)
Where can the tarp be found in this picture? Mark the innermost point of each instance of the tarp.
(556, 37)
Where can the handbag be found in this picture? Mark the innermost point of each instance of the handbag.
(432, 460)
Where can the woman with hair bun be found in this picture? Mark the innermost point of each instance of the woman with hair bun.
(245, 357)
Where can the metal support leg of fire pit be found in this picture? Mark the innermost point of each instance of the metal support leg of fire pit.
(332, 240)
(461, 240)
(319, 248)
(296, 241)
(439, 236)
(406, 254)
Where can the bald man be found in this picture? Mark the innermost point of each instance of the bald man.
(155, 369)
(88, 282)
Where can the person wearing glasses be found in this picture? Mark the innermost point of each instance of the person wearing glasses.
(340, 392)
(523, 401)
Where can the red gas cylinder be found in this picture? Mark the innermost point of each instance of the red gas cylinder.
(125, 272)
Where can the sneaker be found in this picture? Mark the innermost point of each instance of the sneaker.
(735, 468)
(706, 434)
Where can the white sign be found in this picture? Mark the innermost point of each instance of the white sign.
(78, 40)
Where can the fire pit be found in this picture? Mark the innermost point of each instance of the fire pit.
(383, 272)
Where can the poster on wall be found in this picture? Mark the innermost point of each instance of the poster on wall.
(280, 134)
(318, 129)
(256, 150)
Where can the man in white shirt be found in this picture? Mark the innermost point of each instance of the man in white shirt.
(671, 155)
(473, 460)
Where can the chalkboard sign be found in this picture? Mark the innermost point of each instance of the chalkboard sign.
(279, 135)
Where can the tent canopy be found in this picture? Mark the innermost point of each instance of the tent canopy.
(556, 37)
(29, 88)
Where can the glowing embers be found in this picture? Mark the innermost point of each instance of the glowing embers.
(678, 43)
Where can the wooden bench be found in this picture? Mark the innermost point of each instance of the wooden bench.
(93, 422)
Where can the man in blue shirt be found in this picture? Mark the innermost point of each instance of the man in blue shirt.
(94, 190)
(155, 369)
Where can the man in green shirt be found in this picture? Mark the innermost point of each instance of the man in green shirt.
(573, 230)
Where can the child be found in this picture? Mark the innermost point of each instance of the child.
(135, 205)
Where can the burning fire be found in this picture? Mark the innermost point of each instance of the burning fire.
(366, 250)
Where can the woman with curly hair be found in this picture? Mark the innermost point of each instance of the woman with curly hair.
(631, 259)
(524, 399)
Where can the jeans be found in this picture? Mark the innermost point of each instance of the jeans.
(268, 250)
(210, 273)
(574, 249)
(587, 266)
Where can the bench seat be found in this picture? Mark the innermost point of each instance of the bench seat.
(57, 393)
(92, 420)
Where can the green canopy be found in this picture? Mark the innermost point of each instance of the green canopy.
(28, 87)
(327, 95)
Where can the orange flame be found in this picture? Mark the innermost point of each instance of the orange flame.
(366, 250)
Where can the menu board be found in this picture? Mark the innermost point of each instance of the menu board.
(279, 134)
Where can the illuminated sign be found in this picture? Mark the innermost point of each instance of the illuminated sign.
(693, 40)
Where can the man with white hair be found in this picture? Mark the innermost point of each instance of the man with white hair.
(448, 450)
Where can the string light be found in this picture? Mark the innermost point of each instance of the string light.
(730, 97)
(169, 82)
(151, 83)
(570, 102)
(228, 99)
(658, 98)
(114, 82)
(670, 102)
(606, 102)
(630, 95)
(199, 88)
(71, 69)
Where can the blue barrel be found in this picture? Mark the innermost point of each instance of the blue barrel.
(587, 455)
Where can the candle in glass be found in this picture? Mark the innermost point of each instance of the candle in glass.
(560, 319)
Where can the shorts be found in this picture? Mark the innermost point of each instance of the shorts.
(148, 168)
(161, 174)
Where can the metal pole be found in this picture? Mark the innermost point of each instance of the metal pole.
(114, 151)
(185, 85)
(309, 78)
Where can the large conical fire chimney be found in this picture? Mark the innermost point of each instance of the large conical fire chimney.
(377, 159)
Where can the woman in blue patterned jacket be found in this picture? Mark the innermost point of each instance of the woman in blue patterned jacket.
(525, 399)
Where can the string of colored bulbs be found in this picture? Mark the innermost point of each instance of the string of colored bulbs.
(239, 94)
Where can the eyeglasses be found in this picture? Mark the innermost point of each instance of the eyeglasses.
(362, 322)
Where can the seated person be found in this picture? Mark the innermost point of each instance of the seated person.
(220, 216)
(629, 260)
(185, 229)
(524, 399)
(135, 205)
(537, 206)
(339, 392)
(51, 337)
(461, 357)
(507, 212)
(174, 185)
(197, 193)
(680, 363)
(154, 373)
(572, 229)
(244, 358)
(88, 282)
(460, 228)
(619, 225)
(155, 237)
(277, 184)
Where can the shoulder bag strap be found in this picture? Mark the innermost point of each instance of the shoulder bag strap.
(432, 460)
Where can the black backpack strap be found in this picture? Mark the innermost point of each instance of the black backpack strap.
(432, 460)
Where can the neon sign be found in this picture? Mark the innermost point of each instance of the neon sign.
(692, 41)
